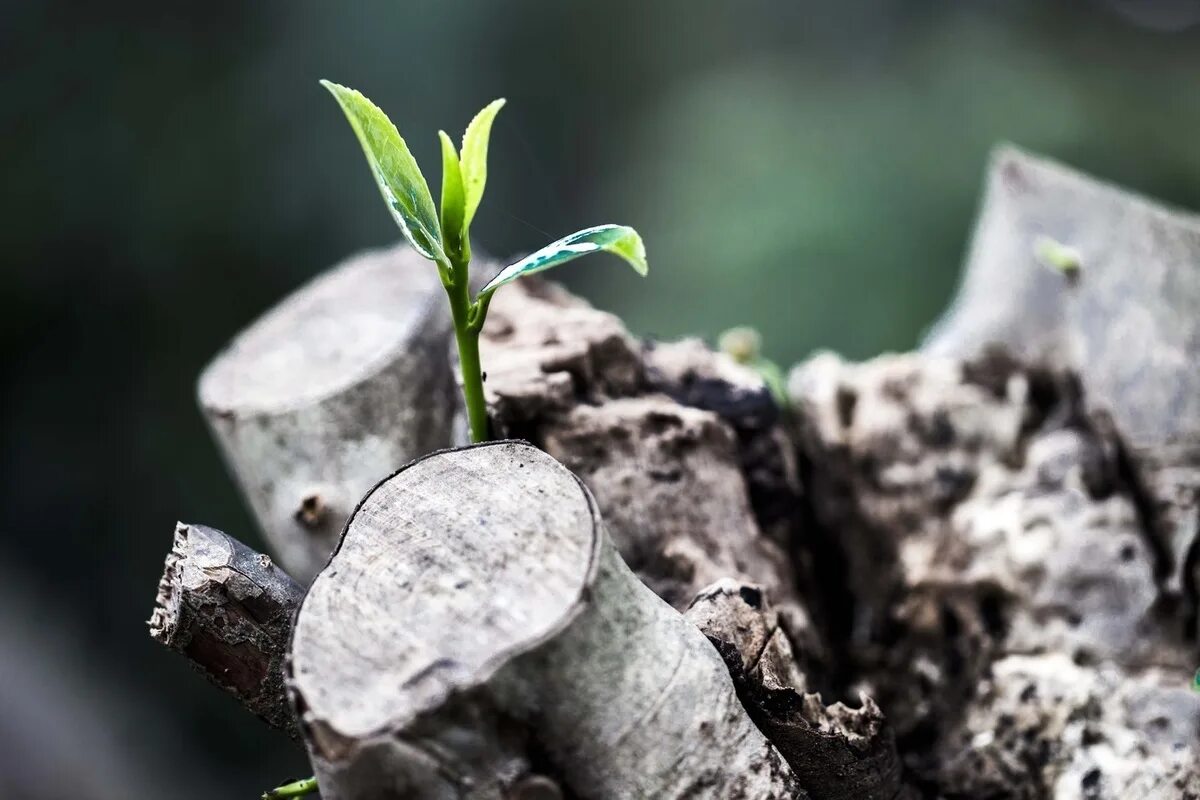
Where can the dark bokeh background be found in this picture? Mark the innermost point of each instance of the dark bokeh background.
(808, 167)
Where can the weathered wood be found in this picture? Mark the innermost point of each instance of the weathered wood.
(229, 611)
(476, 626)
(992, 537)
(694, 375)
(1128, 325)
(836, 752)
(338, 385)
(670, 478)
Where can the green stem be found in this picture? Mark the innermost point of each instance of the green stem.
(466, 335)
(294, 789)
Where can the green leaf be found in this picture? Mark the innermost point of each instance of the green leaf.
(400, 180)
(453, 199)
(619, 240)
(474, 158)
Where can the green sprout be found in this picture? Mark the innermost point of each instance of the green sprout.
(744, 345)
(445, 238)
(298, 788)
(1058, 256)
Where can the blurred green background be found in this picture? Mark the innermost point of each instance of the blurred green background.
(169, 172)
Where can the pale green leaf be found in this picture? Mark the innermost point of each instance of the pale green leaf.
(620, 240)
(453, 199)
(474, 158)
(396, 172)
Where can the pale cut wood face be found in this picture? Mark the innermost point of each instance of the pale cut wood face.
(326, 336)
(391, 637)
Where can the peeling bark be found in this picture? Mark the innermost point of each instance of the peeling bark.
(339, 384)
(228, 610)
(837, 752)
(475, 625)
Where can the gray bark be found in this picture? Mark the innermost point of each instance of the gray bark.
(229, 611)
(1128, 325)
(476, 629)
(342, 382)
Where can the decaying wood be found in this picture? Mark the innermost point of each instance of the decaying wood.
(1009, 612)
(229, 610)
(341, 383)
(475, 628)
(836, 752)
(1128, 325)
(670, 478)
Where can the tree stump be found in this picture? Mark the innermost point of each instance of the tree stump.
(969, 572)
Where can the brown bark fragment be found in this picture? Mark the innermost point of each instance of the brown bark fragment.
(229, 610)
(837, 752)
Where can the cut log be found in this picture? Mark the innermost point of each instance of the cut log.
(1128, 324)
(337, 386)
(476, 631)
(229, 611)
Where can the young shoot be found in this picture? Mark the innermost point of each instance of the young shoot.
(300, 788)
(744, 345)
(443, 235)
(1057, 256)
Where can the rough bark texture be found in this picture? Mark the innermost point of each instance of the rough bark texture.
(1128, 326)
(229, 610)
(673, 440)
(341, 383)
(837, 752)
(476, 626)
(1009, 619)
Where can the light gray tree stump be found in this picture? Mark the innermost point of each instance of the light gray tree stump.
(476, 632)
(1128, 323)
(229, 610)
(340, 384)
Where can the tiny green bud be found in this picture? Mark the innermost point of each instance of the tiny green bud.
(743, 344)
(1058, 256)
